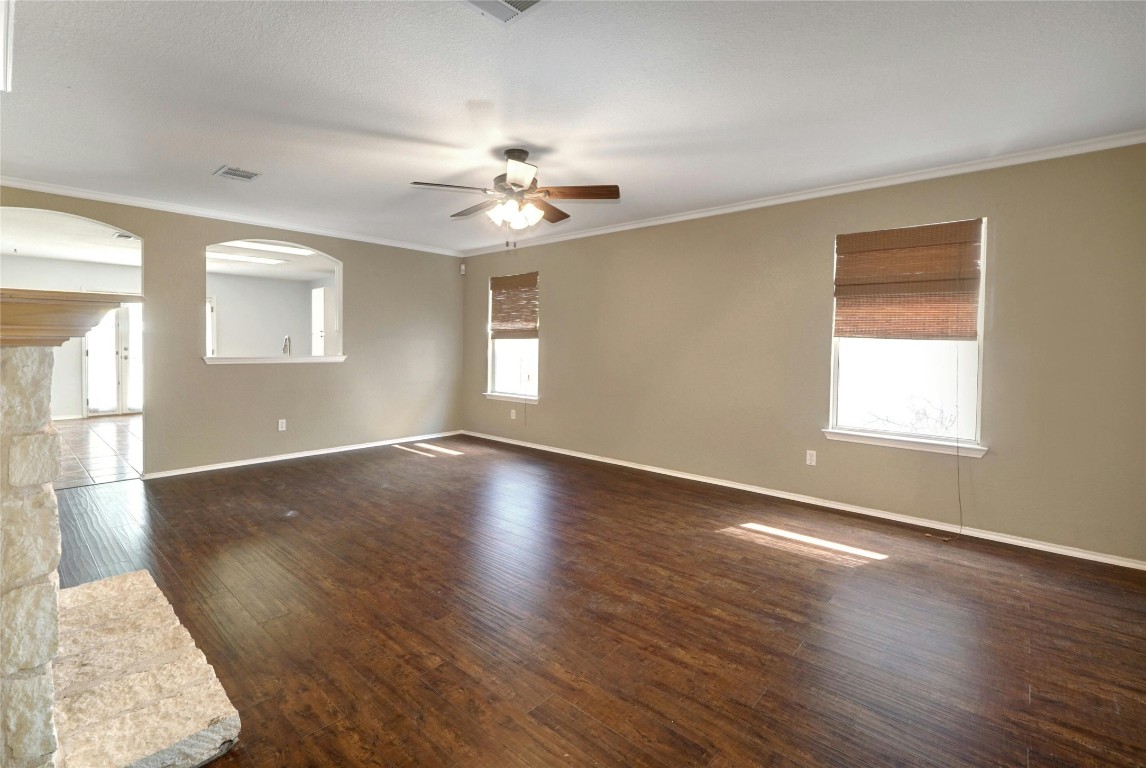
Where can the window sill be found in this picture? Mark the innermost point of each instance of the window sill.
(261, 360)
(972, 450)
(510, 398)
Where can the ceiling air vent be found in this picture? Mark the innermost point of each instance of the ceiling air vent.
(502, 11)
(238, 174)
(124, 236)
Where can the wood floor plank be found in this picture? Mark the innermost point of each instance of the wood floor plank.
(509, 608)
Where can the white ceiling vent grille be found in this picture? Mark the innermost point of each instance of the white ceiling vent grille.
(123, 236)
(238, 174)
(502, 11)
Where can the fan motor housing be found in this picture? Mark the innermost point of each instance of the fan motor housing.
(502, 187)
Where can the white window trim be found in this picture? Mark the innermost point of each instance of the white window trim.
(967, 448)
(272, 360)
(970, 448)
(510, 398)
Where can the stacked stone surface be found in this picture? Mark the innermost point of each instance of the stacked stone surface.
(29, 555)
(131, 687)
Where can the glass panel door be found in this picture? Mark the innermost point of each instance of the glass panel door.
(101, 367)
(131, 361)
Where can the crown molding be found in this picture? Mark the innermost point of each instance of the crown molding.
(954, 169)
(188, 210)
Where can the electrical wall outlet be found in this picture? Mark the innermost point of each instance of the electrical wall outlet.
(810, 458)
(282, 425)
(513, 413)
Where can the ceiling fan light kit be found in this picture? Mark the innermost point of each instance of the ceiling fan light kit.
(516, 216)
(517, 202)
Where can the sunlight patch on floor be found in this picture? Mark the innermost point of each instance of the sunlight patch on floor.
(420, 453)
(440, 449)
(802, 544)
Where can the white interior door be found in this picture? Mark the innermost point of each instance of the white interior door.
(318, 321)
(212, 327)
(324, 332)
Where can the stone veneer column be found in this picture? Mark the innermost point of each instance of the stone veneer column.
(29, 556)
(151, 704)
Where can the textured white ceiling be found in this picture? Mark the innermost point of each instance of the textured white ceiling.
(687, 106)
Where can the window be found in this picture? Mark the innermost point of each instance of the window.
(906, 339)
(513, 341)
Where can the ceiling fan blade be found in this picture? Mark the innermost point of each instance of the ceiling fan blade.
(590, 192)
(551, 213)
(519, 174)
(483, 190)
(485, 205)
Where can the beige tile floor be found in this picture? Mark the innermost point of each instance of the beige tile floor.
(102, 449)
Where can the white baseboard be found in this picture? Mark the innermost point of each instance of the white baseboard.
(1003, 538)
(299, 455)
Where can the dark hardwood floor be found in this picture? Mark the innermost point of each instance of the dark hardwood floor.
(503, 607)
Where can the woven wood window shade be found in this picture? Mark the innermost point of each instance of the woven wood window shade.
(913, 283)
(513, 307)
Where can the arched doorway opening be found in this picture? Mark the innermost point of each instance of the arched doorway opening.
(97, 381)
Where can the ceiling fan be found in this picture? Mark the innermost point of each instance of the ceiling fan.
(517, 201)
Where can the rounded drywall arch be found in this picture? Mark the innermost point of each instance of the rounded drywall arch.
(271, 300)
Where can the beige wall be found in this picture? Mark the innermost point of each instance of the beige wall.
(704, 347)
(402, 320)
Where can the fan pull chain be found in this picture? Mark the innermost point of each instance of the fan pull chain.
(505, 224)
